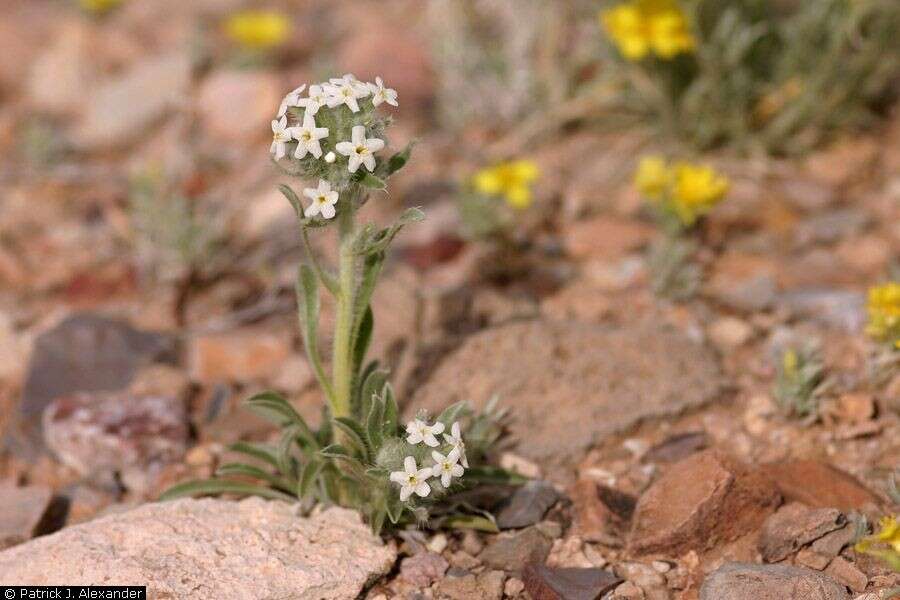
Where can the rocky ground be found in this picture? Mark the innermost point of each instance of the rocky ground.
(663, 466)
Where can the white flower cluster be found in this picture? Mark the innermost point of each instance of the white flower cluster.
(308, 135)
(413, 480)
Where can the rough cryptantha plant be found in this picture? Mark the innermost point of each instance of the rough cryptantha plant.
(333, 135)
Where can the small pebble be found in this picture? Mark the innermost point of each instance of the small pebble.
(513, 587)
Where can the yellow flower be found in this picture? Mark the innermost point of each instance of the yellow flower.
(512, 180)
(884, 313)
(258, 29)
(884, 544)
(639, 27)
(652, 177)
(99, 6)
(696, 190)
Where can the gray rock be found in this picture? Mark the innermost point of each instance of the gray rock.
(511, 552)
(528, 505)
(548, 583)
(84, 353)
(831, 226)
(793, 526)
(753, 294)
(120, 110)
(104, 433)
(740, 581)
(200, 549)
(837, 308)
(574, 384)
(486, 586)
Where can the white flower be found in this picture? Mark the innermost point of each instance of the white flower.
(308, 136)
(292, 99)
(323, 200)
(359, 149)
(361, 88)
(411, 479)
(346, 90)
(330, 157)
(382, 94)
(455, 440)
(446, 467)
(281, 135)
(420, 431)
(317, 99)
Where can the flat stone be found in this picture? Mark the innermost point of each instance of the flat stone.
(84, 353)
(237, 356)
(209, 548)
(699, 502)
(809, 558)
(793, 526)
(819, 485)
(740, 581)
(601, 513)
(486, 586)
(24, 513)
(831, 544)
(677, 447)
(549, 583)
(599, 380)
(511, 552)
(842, 309)
(104, 433)
(421, 570)
(528, 505)
(121, 109)
(847, 573)
(606, 236)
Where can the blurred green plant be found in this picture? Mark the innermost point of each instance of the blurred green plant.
(99, 7)
(883, 308)
(883, 544)
(174, 238)
(800, 382)
(764, 75)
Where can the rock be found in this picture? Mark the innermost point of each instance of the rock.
(853, 408)
(793, 526)
(121, 109)
(105, 433)
(511, 552)
(808, 558)
(831, 226)
(421, 570)
(808, 194)
(26, 512)
(836, 308)
(84, 353)
(606, 236)
(547, 583)
(199, 549)
(535, 364)
(646, 577)
(601, 512)
(528, 505)
(486, 586)
(848, 574)
(819, 485)
(513, 587)
(705, 499)
(831, 544)
(740, 581)
(60, 77)
(236, 106)
(729, 333)
(237, 356)
(628, 591)
(744, 282)
(409, 70)
(677, 447)
(514, 462)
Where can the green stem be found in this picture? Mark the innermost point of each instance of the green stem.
(343, 326)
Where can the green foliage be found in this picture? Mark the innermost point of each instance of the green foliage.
(673, 273)
(775, 76)
(800, 382)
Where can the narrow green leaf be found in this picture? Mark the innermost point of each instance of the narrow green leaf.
(394, 508)
(356, 435)
(476, 522)
(292, 198)
(308, 312)
(261, 452)
(274, 407)
(373, 183)
(287, 463)
(493, 475)
(453, 413)
(214, 487)
(241, 469)
(391, 412)
(361, 341)
(376, 520)
(399, 160)
(308, 476)
(375, 421)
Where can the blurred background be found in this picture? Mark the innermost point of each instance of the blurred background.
(147, 258)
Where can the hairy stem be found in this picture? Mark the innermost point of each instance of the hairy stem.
(343, 327)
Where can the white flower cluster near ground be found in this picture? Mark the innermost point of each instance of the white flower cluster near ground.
(412, 479)
(309, 136)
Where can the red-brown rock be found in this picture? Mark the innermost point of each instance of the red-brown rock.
(701, 501)
(819, 485)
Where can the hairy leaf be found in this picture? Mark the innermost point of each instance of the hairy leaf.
(214, 487)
